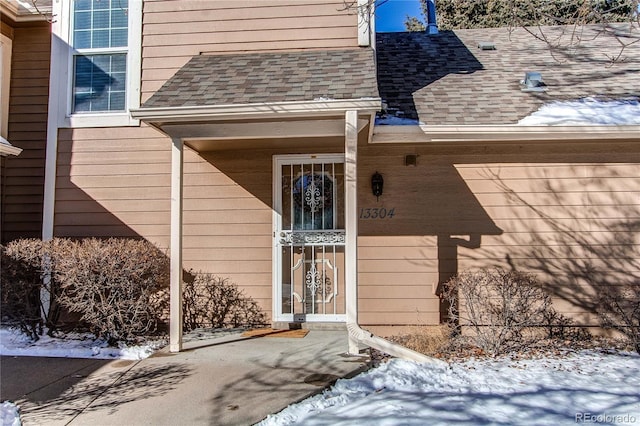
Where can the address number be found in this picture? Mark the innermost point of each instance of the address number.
(377, 213)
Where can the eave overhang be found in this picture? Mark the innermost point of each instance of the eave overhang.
(502, 134)
(215, 127)
(263, 110)
(7, 149)
(22, 11)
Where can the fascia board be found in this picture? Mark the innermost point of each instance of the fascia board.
(256, 110)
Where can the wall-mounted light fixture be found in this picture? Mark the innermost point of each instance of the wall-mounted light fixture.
(377, 183)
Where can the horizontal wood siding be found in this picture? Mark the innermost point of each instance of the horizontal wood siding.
(569, 213)
(113, 183)
(23, 176)
(176, 30)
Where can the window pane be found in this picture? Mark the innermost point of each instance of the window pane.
(100, 39)
(102, 61)
(117, 101)
(82, 20)
(119, 82)
(82, 5)
(82, 102)
(101, 4)
(101, 19)
(82, 39)
(119, 18)
(119, 38)
(99, 83)
(107, 21)
(100, 102)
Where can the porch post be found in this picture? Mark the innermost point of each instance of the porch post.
(175, 309)
(351, 222)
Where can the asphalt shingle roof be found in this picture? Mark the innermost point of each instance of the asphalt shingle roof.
(447, 80)
(270, 77)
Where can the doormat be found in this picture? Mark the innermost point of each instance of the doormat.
(270, 332)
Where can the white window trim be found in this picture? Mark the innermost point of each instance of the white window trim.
(62, 71)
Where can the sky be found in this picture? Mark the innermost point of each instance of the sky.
(391, 14)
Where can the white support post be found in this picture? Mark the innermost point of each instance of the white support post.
(351, 222)
(175, 312)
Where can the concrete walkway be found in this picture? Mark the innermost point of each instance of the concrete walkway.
(226, 381)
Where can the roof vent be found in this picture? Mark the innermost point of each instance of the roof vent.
(533, 82)
(487, 45)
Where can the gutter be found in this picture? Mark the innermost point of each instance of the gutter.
(326, 107)
(501, 133)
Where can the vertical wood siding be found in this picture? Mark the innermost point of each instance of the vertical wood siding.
(176, 30)
(23, 176)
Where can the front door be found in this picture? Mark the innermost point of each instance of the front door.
(309, 238)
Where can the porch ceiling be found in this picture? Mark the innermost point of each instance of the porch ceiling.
(215, 136)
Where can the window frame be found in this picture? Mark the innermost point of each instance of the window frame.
(63, 72)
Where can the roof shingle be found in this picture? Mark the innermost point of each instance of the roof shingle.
(446, 80)
(270, 77)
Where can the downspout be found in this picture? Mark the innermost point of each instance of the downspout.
(432, 26)
(383, 345)
(357, 335)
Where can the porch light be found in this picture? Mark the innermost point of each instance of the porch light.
(376, 184)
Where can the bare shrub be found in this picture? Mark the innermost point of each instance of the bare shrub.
(561, 327)
(21, 277)
(620, 311)
(113, 284)
(211, 301)
(499, 307)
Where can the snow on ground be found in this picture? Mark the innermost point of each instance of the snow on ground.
(9, 414)
(588, 111)
(587, 387)
(71, 345)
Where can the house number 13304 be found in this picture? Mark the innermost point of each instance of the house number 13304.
(377, 213)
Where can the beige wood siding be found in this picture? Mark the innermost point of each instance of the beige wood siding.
(23, 176)
(117, 183)
(176, 30)
(113, 183)
(569, 213)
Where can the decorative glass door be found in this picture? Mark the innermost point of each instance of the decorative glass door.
(309, 238)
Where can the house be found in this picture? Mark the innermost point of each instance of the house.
(25, 39)
(257, 140)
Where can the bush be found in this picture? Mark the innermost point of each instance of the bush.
(210, 301)
(116, 285)
(620, 310)
(498, 306)
(21, 265)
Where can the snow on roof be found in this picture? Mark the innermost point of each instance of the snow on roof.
(587, 111)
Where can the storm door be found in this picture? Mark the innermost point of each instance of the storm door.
(309, 238)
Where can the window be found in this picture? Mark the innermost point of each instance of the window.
(100, 48)
(96, 56)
